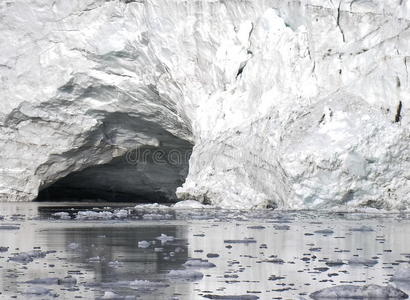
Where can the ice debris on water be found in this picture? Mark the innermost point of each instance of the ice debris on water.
(121, 214)
(371, 291)
(324, 231)
(151, 206)
(335, 263)
(46, 281)
(39, 291)
(362, 229)
(165, 238)
(9, 227)
(402, 274)
(94, 215)
(157, 216)
(113, 296)
(281, 227)
(73, 246)
(256, 227)
(115, 264)
(143, 244)
(95, 259)
(190, 275)
(62, 215)
(69, 280)
(232, 297)
(244, 241)
(26, 257)
(189, 204)
(362, 261)
(147, 284)
(198, 263)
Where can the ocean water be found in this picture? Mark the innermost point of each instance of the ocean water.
(106, 251)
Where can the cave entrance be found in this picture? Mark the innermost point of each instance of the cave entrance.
(144, 175)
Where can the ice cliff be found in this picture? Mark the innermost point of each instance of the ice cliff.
(293, 104)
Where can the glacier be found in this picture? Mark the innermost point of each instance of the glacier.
(293, 104)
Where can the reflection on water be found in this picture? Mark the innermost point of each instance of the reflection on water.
(268, 254)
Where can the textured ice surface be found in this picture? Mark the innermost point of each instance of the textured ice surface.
(295, 104)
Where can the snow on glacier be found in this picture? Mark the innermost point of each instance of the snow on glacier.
(289, 103)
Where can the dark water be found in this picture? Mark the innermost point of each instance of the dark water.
(265, 254)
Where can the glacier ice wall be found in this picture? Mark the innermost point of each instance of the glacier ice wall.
(295, 104)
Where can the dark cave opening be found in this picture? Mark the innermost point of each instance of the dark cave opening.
(144, 175)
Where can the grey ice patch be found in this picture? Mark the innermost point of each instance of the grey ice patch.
(371, 291)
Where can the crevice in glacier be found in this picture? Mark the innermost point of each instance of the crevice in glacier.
(147, 174)
(397, 118)
(338, 22)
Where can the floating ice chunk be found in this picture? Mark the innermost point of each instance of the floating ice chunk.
(402, 274)
(143, 244)
(198, 263)
(362, 261)
(113, 296)
(371, 291)
(335, 263)
(121, 214)
(273, 260)
(244, 241)
(157, 216)
(151, 206)
(324, 231)
(232, 297)
(93, 215)
(9, 227)
(165, 238)
(62, 215)
(115, 264)
(68, 280)
(256, 227)
(185, 275)
(148, 284)
(26, 257)
(281, 227)
(189, 204)
(47, 281)
(362, 229)
(95, 259)
(39, 291)
(73, 246)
